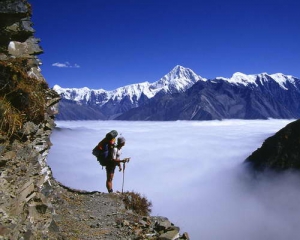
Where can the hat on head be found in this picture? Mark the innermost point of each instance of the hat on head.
(121, 140)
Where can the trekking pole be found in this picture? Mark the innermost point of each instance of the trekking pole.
(125, 161)
(123, 176)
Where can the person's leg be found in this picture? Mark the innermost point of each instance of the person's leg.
(109, 179)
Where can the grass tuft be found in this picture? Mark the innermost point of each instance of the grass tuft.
(11, 118)
(22, 98)
(138, 204)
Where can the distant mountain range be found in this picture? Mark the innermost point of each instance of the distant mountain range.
(183, 95)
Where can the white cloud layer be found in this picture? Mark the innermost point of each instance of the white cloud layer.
(192, 171)
(65, 65)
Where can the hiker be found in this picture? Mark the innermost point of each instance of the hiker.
(115, 161)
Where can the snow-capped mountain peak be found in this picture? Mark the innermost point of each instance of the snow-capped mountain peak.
(116, 104)
(77, 94)
(281, 79)
(240, 78)
(130, 91)
(262, 78)
(180, 72)
(177, 80)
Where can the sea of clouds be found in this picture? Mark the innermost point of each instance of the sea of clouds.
(193, 173)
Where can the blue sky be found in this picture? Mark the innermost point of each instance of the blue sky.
(112, 43)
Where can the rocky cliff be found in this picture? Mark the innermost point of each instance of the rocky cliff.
(33, 205)
(279, 152)
(26, 210)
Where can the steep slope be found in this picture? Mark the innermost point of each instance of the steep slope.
(71, 110)
(27, 108)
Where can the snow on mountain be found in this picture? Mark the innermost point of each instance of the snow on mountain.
(131, 91)
(178, 80)
(241, 96)
(78, 94)
(246, 80)
(240, 78)
(281, 79)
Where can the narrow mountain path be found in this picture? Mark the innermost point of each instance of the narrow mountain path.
(95, 215)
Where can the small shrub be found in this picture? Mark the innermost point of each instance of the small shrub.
(135, 202)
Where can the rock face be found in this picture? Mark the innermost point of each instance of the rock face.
(279, 152)
(25, 205)
(33, 205)
(26, 209)
(16, 33)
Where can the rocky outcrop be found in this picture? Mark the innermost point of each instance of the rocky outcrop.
(25, 207)
(17, 40)
(279, 152)
(33, 205)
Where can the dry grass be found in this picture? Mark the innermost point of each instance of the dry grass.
(11, 118)
(137, 203)
(22, 98)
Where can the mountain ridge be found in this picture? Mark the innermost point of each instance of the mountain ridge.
(175, 79)
(118, 103)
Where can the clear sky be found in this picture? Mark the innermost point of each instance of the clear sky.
(112, 43)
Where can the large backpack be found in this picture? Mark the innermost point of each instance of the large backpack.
(111, 135)
(104, 147)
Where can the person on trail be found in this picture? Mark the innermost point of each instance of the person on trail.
(114, 161)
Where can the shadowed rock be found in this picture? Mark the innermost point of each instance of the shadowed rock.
(279, 152)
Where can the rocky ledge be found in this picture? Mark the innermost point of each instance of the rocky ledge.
(96, 215)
